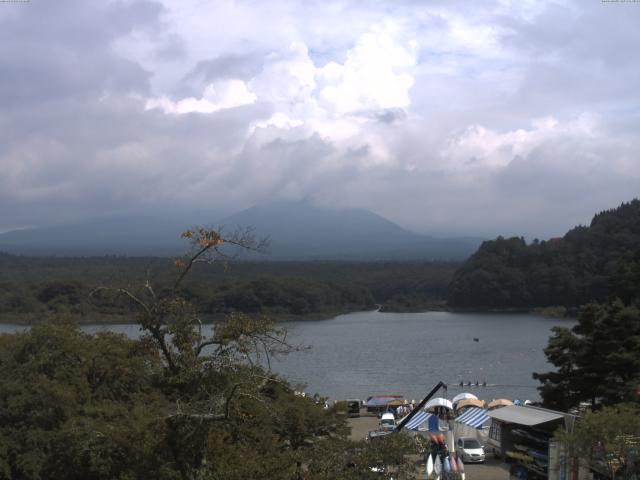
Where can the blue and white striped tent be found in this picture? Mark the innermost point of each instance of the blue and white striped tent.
(474, 417)
(421, 418)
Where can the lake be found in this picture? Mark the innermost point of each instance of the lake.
(367, 353)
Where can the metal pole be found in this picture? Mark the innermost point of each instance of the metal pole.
(401, 425)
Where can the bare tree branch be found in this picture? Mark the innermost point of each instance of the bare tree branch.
(122, 291)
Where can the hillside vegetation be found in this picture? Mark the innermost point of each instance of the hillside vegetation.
(31, 288)
(588, 264)
(175, 404)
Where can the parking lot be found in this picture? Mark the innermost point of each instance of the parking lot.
(492, 469)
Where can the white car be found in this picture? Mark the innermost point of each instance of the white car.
(470, 450)
(387, 422)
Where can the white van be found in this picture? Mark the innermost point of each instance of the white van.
(387, 422)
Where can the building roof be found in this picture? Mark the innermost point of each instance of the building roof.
(525, 415)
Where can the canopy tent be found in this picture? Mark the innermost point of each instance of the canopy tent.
(470, 402)
(474, 417)
(461, 430)
(439, 402)
(381, 400)
(501, 402)
(463, 396)
(420, 419)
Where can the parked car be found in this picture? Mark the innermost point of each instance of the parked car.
(387, 422)
(372, 435)
(353, 407)
(470, 450)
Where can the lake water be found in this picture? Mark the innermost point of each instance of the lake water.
(368, 353)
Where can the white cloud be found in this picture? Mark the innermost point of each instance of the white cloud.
(287, 77)
(217, 96)
(333, 99)
(481, 148)
(279, 120)
(373, 77)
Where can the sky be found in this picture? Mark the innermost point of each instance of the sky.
(447, 117)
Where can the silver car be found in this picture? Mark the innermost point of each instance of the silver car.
(470, 450)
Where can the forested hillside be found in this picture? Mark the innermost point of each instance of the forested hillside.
(32, 288)
(588, 264)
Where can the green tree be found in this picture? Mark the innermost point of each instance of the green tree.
(74, 405)
(609, 440)
(598, 360)
(588, 264)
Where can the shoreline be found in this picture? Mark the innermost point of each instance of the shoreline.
(559, 313)
(102, 319)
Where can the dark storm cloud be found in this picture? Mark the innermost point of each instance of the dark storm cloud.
(92, 157)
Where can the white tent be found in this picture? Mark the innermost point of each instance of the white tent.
(462, 396)
(439, 402)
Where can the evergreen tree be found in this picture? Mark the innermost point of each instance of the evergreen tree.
(598, 360)
(589, 264)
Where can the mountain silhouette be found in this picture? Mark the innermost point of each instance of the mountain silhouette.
(298, 231)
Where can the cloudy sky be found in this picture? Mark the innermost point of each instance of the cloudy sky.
(445, 116)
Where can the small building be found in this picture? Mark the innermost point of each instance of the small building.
(523, 437)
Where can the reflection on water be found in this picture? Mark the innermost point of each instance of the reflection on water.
(368, 353)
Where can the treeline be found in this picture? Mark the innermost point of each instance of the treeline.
(588, 264)
(34, 287)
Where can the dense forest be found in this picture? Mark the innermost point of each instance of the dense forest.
(33, 287)
(588, 264)
(175, 404)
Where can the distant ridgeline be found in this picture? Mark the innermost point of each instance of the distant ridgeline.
(591, 263)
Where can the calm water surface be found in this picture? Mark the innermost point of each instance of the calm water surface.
(368, 353)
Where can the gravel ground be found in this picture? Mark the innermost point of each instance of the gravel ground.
(362, 425)
(492, 469)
